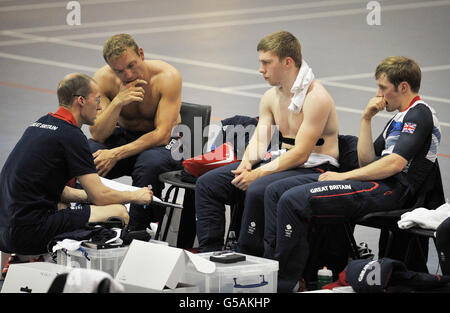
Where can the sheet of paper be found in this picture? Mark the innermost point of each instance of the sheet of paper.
(123, 187)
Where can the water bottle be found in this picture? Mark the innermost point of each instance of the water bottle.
(324, 277)
(231, 243)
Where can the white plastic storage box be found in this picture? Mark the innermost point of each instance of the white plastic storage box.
(106, 260)
(254, 275)
(36, 277)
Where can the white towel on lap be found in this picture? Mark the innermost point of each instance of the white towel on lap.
(424, 218)
(304, 79)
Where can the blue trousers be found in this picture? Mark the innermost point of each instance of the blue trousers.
(144, 170)
(290, 203)
(214, 190)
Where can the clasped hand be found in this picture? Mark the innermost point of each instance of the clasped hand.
(244, 176)
(104, 161)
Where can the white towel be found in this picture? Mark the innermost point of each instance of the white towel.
(424, 218)
(317, 159)
(68, 244)
(304, 79)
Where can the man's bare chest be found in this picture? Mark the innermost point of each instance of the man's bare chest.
(145, 109)
(288, 122)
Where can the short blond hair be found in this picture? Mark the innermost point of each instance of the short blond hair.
(283, 44)
(116, 46)
(399, 69)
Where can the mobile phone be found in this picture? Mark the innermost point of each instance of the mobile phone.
(227, 258)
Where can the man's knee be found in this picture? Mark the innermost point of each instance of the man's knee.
(256, 189)
(153, 161)
(123, 213)
(147, 172)
(209, 183)
(118, 210)
(202, 183)
(294, 203)
(272, 193)
(102, 213)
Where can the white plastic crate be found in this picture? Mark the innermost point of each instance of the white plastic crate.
(254, 275)
(106, 260)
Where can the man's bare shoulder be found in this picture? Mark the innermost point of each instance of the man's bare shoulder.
(106, 80)
(318, 94)
(270, 96)
(158, 67)
(271, 92)
(164, 77)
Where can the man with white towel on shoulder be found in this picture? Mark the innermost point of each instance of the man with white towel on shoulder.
(305, 115)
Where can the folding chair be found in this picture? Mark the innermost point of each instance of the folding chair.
(191, 116)
(402, 244)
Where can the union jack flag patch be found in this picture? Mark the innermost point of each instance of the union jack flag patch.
(409, 128)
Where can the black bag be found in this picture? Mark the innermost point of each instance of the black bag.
(388, 275)
(231, 128)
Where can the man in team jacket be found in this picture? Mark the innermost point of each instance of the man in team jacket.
(51, 154)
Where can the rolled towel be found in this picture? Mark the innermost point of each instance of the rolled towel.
(424, 218)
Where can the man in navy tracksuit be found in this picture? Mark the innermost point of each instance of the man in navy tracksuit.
(391, 171)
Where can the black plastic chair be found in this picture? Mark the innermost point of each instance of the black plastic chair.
(190, 115)
(404, 243)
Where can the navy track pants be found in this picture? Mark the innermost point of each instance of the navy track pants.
(290, 204)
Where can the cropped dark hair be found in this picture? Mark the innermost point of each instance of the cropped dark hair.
(399, 69)
(73, 85)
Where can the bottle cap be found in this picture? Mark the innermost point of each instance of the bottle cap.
(325, 272)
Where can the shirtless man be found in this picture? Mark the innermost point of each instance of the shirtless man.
(310, 135)
(141, 103)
